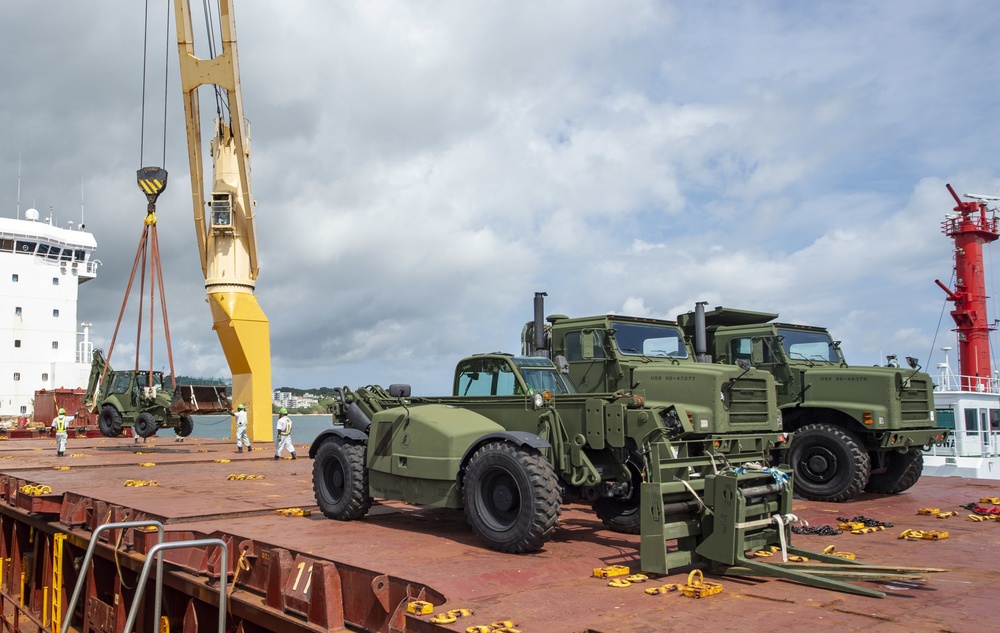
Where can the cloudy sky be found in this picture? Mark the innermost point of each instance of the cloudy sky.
(422, 168)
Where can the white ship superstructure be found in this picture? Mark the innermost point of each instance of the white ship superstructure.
(973, 415)
(43, 345)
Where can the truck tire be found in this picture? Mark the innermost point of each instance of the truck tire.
(340, 480)
(145, 425)
(511, 497)
(829, 463)
(110, 421)
(186, 427)
(903, 471)
(621, 514)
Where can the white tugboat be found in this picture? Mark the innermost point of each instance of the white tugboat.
(968, 402)
(44, 346)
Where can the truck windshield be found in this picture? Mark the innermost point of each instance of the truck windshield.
(647, 339)
(540, 375)
(806, 345)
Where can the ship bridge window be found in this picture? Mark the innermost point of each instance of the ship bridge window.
(66, 255)
(55, 281)
(7, 246)
(24, 248)
(43, 249)
(79, 256)
(17, 310)
(17, 342)
(14, 278)
(55, 313)
(45, 377)
(55, 344)
(17, 376)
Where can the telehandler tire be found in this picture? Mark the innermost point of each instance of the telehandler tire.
(511, 497)
(340, 480)
(145, 425)
(186, 427)
(903, 471)
(829, 462)
(110, 421)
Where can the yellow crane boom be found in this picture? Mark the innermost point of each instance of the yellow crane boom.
(227, 240)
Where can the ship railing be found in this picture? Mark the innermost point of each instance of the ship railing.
(979, 443)
(955, 382)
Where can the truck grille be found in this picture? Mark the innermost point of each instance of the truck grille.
(748, 403)
(915, 402)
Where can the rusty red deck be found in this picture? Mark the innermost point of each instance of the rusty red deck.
(551, 590)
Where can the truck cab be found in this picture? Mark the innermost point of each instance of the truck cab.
(855, 428)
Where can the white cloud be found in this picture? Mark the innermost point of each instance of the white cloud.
(422, 169)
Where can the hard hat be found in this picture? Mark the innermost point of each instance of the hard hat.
(62, 411)
(241, 406)
(282, 410)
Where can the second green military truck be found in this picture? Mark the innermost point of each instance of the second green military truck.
(855, 428)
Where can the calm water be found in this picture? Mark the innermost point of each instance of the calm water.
(305, 428)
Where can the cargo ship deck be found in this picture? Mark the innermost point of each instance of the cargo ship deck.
(369, 570)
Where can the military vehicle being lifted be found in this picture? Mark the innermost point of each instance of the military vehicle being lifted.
(855, 428)
(143, 401)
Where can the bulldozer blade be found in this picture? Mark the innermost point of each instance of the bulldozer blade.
(190, 399)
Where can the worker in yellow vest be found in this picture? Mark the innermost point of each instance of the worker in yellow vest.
(284, 440)
(61, 423)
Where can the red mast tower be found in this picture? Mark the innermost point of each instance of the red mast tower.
(971, 229)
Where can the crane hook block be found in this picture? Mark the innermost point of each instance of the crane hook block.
(152, 181)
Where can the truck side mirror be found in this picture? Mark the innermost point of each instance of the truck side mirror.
(399, 391)
(562, 365)
(757, 353)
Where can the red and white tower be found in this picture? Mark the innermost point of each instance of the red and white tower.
(970, 229)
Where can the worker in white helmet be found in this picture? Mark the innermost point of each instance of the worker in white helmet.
(284, 439)
(241, 429)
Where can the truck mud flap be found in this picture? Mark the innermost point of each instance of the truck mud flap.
(189, 399)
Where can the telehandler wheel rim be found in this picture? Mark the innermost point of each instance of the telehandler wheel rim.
(500, 498)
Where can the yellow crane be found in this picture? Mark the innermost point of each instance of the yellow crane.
(226, 235)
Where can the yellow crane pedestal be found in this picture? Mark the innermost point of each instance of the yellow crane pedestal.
(245, 335)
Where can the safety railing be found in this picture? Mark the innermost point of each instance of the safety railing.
(71, 608)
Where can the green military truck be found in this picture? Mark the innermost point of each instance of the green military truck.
(855, 428)
(145, 402)
(516, 440)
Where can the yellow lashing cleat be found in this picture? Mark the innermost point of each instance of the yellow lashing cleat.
(945, 515)
(851, 525)
(868, 530)
(994, 500)
(637, 578)
(420, 607)
(832, 551)
(698, 587)
(930, 535)
(929, 511)
(618, 582)
(611, 571)
(656, 591)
